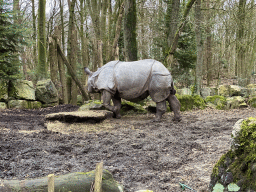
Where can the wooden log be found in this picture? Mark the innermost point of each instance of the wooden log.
(75, 182)
(72, 73)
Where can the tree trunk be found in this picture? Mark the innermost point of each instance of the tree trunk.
(41, 67)
(64, 93)
(173, 9)
(34, 34)
(208, 55)
(53, 60)
(130, 42)
(84, 42)
(62, 25)
(240, 43)
(77, 182)
(72, 43)
(117, 34)
(173, 47)
(199, 41)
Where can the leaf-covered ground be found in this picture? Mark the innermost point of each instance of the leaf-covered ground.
(140, 154)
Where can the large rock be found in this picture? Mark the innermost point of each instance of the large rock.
(184, 91)
(205, 92)
(3, 90)
(24, 104)
(216, 102)
(237, 168)
(189, 102)
(46, 92)
(224, 90)
(18, 104)
(236, 102)
(22, 90)
(80, 116)
(235, 90)
(3, 106)
(252, 102)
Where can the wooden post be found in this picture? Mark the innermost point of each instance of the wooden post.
(51, 183)
(98, 177)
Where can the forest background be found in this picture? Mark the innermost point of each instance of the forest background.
(200, 41)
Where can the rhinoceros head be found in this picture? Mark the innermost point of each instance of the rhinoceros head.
(90, 84)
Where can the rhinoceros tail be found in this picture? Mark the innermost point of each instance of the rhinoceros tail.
(172, 91)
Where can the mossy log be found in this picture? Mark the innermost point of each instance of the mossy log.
(74, 182)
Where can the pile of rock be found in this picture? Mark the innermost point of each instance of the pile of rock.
(238, 165)
(22, 94)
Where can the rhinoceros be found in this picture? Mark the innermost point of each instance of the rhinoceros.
(134, 81)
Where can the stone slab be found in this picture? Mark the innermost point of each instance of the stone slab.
(80, 116)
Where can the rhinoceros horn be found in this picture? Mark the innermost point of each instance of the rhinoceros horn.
(87, 71)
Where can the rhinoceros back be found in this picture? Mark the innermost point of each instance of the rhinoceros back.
(135, 78)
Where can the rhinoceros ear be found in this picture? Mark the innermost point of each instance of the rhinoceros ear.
(87, 71)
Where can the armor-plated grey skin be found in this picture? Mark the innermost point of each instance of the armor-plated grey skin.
(135, 81)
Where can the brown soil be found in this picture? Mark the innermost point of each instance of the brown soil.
(140, 154)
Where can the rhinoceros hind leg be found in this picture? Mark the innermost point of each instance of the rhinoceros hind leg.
(160, 110)
(175, 107)
(117, 107)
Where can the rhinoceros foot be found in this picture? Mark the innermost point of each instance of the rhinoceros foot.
(176, 119)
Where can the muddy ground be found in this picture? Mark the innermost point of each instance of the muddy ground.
(140, 154)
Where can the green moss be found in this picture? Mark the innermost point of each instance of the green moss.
(242, 159)
(215, 170)
(130, 107)
(252, 102)
(218, 101)
(189, 102)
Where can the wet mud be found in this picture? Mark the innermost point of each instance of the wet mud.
(139, 153)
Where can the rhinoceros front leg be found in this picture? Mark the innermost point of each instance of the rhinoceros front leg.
(160, 110)
(175, 107)
(117, 106)
(107, 96)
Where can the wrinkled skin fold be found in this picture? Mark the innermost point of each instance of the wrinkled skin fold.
(135, 81)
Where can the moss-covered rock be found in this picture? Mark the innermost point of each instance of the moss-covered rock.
(238, 165)
(224, 90)
(46, 92)
(130, 107)
(18, 104)
(236, 102)
(216, 102)
(92, 105)
(23, 90)
(3, 106)
(235, 90)
(189, 102)
(3, 91)
(35, 104)
(205, 92)
(80, 100)
(184, 91)
(252, 102)
(251, 86)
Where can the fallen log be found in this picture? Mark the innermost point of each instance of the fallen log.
(72, 182)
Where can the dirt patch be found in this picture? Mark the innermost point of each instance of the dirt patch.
(140, 154)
